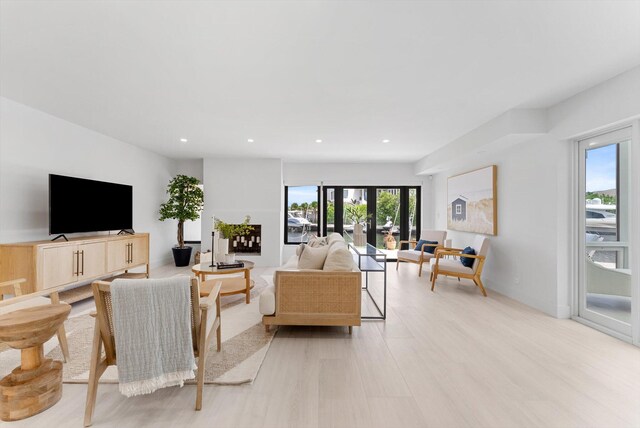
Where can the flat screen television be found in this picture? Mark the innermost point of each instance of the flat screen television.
(81, 205)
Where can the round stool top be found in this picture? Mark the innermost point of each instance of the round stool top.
(28, 327)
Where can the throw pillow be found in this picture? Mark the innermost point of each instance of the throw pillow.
(468, 261)
(426, 249)
(339, 260)
(299, 249)
(312, 258)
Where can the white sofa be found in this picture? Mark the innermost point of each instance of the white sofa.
(329, 293)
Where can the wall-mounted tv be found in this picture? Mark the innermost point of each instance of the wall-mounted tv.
(81, 205)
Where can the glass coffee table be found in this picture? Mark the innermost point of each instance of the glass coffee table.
(370, 259)
(230, 286)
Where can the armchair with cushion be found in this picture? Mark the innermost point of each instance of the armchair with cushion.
(205, 323)
(453, 264)
(23, 301)
(425, 252)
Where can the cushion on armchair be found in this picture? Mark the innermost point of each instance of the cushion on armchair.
(426, 249)
(468, 261)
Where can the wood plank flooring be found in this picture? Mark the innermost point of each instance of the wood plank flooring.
(446, 359)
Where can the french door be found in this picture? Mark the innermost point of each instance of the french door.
(606, 283)
(372, 214)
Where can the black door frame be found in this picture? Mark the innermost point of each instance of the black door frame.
(372, 195)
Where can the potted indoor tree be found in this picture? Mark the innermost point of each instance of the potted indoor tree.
(185, 203)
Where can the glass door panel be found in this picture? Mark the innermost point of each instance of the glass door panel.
(355, 215)
(605, 280)
(372, 215)
(388, 222)
(413, 214)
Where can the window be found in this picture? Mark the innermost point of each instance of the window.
(458, 209)
(301, 205)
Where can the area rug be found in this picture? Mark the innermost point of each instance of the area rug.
(244, 344)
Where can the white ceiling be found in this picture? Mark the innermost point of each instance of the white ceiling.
(287, 73)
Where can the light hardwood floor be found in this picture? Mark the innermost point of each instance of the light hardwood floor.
(446, 359)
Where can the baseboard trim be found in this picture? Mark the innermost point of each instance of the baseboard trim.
(563, 312)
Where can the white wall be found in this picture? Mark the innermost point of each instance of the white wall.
(522, 258)
(34, 144)
(234, 188)
(533, 257)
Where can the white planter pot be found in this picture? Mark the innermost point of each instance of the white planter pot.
(222, 249)
(359, 237)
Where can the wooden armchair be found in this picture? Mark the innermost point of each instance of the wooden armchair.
(23, 301)
(452, 266)
(205, 318)
(421, 256)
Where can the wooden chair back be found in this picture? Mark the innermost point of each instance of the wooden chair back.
(12, 287)
(434, 235)
(104, 311)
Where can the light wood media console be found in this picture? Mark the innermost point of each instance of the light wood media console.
(47, 264)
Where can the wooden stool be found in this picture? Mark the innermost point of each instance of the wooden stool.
(37, 384)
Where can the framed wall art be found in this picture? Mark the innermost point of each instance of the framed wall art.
(472, 203)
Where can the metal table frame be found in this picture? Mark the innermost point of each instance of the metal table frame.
(372, 260)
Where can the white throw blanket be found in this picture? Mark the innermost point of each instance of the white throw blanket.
(152, 326)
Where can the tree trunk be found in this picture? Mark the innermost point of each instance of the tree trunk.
(181, 234)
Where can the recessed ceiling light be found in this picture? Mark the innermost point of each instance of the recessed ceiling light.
(250, 140)
(318, 141)
(386, 141)
(183, 140)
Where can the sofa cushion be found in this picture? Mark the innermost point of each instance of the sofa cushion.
(316, 242)
(450, 265)
(334, 237)
(338, 260)
(312, 258)
(268, 301)
(299, 249)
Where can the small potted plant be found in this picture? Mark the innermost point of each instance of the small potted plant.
(230, 231)
(358, 215)
(186, 200)
(390, 241)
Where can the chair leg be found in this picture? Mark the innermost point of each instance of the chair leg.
(64, 346)
(434, 276)
(62, 334)
(397, 263)
(219, 337)
(478, 282)
(94, 377)
(420, 269)
(267, 328)
(201, 368)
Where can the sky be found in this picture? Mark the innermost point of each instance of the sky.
(601, 168)
(300, 194)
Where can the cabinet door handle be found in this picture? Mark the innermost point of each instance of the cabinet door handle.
(76, 268)
(82, 262)
(131, 254)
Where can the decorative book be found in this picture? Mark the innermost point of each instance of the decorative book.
(234, 265)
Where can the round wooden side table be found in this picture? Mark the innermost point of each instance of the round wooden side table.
(229, 285)
(37, 384)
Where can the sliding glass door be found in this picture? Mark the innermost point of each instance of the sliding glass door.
(605, 285)
(378, 215)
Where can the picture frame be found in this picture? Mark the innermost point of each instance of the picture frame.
(472, 201)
